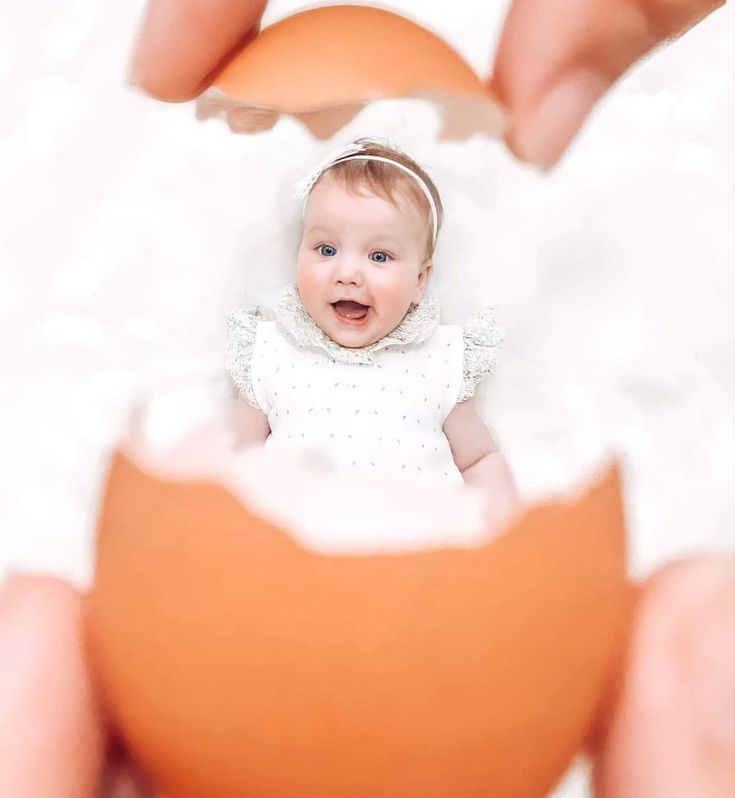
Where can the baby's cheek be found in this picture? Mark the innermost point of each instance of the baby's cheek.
(394, 301)
(310, 284)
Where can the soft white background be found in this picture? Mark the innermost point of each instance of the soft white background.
(129, 229)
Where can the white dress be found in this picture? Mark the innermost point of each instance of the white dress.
(379, 407)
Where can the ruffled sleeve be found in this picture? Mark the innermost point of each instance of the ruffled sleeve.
(242, 326)
(482, 340)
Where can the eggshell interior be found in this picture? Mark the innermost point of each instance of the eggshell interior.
(323, 65)
(237, 661)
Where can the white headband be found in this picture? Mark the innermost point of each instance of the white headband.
(356, 152)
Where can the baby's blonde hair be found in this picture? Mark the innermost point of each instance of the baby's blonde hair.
(389, 183)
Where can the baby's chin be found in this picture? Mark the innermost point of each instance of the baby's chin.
(354, 339)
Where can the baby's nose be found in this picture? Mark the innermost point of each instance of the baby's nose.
(348, 268)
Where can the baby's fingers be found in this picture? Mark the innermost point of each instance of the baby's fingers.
(557, 57)
(182, 43)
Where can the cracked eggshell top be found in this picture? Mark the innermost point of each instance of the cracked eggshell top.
(324, 64)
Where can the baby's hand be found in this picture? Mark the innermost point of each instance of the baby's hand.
(499, 509)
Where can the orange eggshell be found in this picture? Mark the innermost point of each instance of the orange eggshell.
(324, 64)
(336, 54)
(237, 663)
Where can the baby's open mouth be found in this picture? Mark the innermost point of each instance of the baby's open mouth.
(350, 311)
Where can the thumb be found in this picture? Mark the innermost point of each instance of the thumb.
(556, 58)
(183, 42)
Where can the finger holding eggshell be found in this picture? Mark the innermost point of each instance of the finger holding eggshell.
(364, 54)
(554, 61)
(556, 58)
(182, 42)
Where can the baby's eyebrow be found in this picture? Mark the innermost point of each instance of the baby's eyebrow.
(380, 239)
(319, 228)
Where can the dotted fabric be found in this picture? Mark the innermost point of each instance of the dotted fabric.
(382, 415)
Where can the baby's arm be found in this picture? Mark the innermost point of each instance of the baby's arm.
(478, 458)
(251, 425)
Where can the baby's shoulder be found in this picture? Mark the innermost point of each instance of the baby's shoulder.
(482, 340)
(245, 328)
(245, 320)
(479, 330)
(245, 325)
(482, 329)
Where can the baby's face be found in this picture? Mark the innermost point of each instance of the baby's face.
(361, 263)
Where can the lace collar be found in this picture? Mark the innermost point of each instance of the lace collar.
(417, 325)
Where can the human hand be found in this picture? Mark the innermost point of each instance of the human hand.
(53, 738)
(554, 61)
(182, 43)
(556, 58)
(122, 779)
(671, 731)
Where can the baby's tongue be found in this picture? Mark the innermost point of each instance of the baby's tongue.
(351, 310)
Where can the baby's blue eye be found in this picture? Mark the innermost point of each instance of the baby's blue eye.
(327, 250)
(379, 256)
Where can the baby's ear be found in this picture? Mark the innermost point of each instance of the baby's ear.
(422, 280)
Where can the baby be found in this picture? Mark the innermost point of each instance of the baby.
(355, 366)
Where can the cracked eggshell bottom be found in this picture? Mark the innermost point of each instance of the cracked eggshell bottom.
(254, 608)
